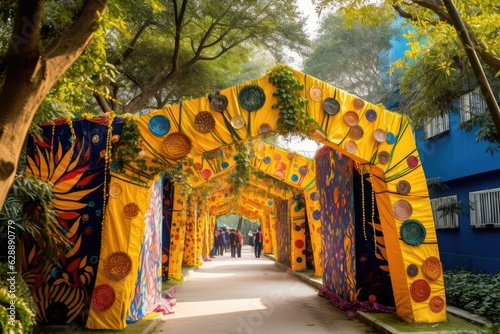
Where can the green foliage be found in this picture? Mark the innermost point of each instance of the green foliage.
(486, 131)
(355, 57)
(478, 293)
(292, 107)
(17, 309)
(240, 177)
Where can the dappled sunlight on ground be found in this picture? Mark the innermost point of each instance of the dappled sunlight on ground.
(204, 308)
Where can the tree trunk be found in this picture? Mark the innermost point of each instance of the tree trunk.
(484, 85)
(240, 223)
(30, 75)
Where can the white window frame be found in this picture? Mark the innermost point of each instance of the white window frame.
(437, 125)
(485, 211)
(441, 220)
(471, 103)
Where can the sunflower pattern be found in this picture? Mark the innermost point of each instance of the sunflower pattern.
(73, 157)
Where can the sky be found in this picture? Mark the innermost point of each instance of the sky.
(307, 9)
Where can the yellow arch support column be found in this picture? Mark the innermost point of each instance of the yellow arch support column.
(313, 208)
(177, 235)
(272, 232)
(266, 231)
(298, 235)
(120, 234)
(189, 256)
(204, 223)
(198, 235)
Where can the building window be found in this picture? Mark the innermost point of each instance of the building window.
(445, 212)
(437, 125)
(471, 104)
(485, 211)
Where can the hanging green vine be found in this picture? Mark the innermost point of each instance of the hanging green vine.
(240, 178)
(293, 115)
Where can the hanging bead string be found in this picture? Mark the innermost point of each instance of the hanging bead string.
(107, 164)
(373, 213)
(361, 172)
(51, 154)
(73, 134)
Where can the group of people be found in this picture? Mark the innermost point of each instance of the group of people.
(226, 240)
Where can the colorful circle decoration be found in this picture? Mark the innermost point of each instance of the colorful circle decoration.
(379, 135)
(351, 118)
(297, 228)
(299, 259)
(117, 265)
(176, 145)
(371, 115)
(316, 93)
(238, 122)
(252, 97)
(351, 147)
(420, 290)
(103, 297)
(331, 106)
(295, 178)
(131, 210)
(403, 187)
(358, 103)
(356, 132)
(412, 270)
(390, 138)
(225, 164)
(384, 157)
(402, 209)
(219, 103)
(264, 128)
(413, 232)
(432, 268)
(436, 304)
(115, 190)
(204, 122)
(412, 161)
(96, 139)
(316, 214)
(314, 196)
(299, 243)
(159, 125)
(206, 173)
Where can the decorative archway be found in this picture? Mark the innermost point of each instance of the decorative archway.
(202, 133)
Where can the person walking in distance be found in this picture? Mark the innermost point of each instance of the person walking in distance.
(239, 242)
(222, 242)
(257, 241)
(232, 242)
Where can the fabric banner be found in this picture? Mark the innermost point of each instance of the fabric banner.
(74, 157)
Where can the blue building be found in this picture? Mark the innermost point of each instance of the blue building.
(467, 212)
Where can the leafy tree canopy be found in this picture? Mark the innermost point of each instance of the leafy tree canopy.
(170, 50)
(355, 58)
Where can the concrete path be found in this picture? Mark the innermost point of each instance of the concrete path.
(252, 295)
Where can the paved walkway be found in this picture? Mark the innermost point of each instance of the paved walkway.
(252, 295)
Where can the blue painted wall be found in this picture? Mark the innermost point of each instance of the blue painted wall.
(455, 153)
(456, 157)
